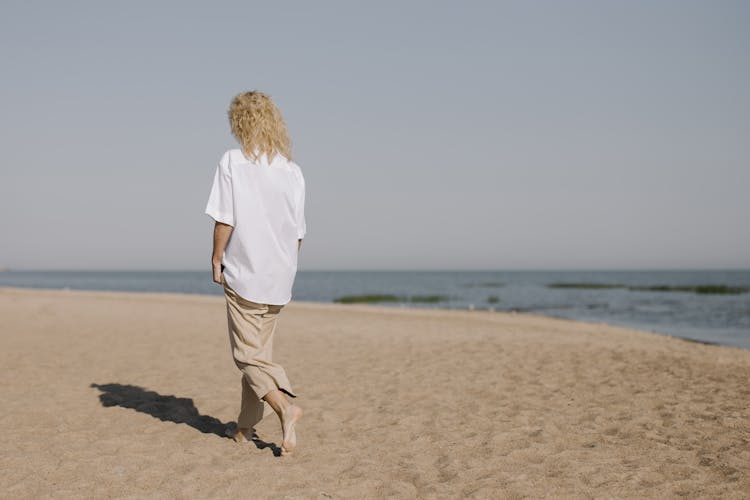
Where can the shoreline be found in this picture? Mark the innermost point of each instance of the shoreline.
(368, 307)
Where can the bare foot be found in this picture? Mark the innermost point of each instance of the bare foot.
(244, 435)
(289, 418)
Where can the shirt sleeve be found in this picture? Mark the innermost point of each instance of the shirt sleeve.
(300, 213)
(220, 204)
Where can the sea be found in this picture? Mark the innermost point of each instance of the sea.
(710, 318)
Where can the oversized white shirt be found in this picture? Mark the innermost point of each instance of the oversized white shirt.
(265, 203)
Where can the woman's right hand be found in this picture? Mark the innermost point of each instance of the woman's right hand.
(216, 267)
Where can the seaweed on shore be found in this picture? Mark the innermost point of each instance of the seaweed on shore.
(355, 299)
(374, 298)
(700, 289)
(426, 299)
(720, 289)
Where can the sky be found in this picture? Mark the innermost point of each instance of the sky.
(432, 135)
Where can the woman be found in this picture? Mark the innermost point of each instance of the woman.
(257, 200)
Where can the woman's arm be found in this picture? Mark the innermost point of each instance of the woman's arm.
(222, 232)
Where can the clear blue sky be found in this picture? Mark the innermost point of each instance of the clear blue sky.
(433, 135)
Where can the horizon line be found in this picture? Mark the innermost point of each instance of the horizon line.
(524, 269)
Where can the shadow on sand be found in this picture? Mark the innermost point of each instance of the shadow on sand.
(170, 409)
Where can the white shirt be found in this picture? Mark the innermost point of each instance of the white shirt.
(265, 203)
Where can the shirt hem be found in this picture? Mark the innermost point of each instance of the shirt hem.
(256, 300)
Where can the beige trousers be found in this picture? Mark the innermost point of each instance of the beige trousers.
(251, 329)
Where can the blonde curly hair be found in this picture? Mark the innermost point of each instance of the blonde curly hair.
(257, 123)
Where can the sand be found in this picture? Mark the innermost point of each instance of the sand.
(128, 395)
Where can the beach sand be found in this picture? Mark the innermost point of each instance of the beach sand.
(110, 394)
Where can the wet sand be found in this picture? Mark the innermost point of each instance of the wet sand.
(108, 394)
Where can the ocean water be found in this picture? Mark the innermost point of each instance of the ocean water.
(721, 319)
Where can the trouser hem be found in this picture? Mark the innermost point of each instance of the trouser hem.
(285, 391)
